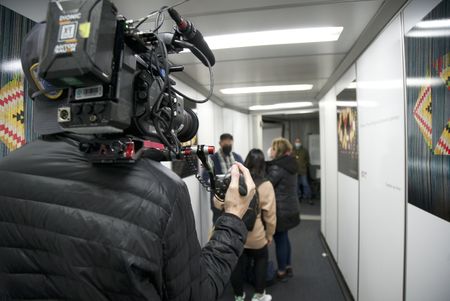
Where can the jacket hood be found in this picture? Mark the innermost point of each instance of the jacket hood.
(286, 162)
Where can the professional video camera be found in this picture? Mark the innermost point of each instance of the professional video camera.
(105, 77)
(94, 74)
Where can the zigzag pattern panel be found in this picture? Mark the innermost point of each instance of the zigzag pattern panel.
(428, 115)
(15, 106)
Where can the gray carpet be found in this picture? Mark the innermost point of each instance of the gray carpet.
(313, 277)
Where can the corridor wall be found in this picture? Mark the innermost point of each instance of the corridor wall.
(403, 246)
(347, 182)
(328, 150)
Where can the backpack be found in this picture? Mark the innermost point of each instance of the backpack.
(254, 208)
(252, 212)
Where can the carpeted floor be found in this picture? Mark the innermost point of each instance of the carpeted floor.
(313, 277)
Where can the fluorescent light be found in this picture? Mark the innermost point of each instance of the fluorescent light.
(344, 103)
(434, 23)
(280, 106)
(352, 85)
(265, 89)
(429, 33)
(424, 81)
(292, 112)
(11, 66)
(275, 37)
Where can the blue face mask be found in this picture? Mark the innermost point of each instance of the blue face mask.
(298, 145)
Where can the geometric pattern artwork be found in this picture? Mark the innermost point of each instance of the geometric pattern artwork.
(12, 117)
(423, 114)
(443, 144)
(442, 66)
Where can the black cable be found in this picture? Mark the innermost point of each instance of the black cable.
(145, 18)
(158, 23)
(211, 76)
(192, 163)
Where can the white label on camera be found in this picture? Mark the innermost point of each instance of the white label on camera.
(67, 31)
(65, 48)
(89, 92)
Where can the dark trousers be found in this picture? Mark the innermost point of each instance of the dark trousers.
(260, 258)
(304, 190)
(283, 250)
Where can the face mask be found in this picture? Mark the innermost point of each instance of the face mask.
(298, 145)
(227, 149)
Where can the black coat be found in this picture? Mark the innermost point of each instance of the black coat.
(70, 230)
(282, 172)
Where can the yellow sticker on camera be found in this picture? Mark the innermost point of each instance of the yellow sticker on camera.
(84, 30)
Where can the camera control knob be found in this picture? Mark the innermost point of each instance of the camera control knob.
(78, 109)
(88, 108)
(99, 108)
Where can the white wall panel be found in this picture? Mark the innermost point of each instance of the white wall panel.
(348, 211)
(237, 124)
(329, 194)
(268, 134)
(348, 228)
(428, 257)
(382, 166)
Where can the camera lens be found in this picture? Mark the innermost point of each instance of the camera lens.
(190, 125)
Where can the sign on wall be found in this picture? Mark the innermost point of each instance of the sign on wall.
(347, 121)
(428, 112)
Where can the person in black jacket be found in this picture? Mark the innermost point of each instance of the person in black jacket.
(282, 172)
(71, 230)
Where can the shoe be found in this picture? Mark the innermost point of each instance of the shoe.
(282, 278)
(262, 297)
(240, 298)
(289, 272)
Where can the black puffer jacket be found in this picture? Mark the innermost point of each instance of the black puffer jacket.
(69, 230)
(282, 172)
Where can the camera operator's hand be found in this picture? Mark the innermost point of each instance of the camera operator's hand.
(234, 202)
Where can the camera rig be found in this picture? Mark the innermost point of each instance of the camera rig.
(94, 75)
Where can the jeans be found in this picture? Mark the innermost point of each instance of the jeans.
(283, 250)
(304, 191)
(260, 258)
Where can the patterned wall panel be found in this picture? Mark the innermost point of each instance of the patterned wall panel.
(15, 106)
(428, 96)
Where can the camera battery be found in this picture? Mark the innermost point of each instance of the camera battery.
(79, 43)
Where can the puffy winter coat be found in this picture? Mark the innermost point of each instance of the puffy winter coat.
(70, 230)
(282, 172)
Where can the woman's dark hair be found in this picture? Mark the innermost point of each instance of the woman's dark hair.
(255, 163)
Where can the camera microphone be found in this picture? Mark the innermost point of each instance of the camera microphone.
(192, 35)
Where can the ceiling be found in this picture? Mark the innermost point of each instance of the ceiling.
(308, 63)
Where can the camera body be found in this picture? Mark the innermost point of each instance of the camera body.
(97, 74)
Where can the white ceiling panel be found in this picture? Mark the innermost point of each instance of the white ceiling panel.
(264, 65)
(267, 71)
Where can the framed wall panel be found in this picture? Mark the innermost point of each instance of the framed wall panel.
(427, 43)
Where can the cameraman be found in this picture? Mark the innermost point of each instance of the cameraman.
(73, 230)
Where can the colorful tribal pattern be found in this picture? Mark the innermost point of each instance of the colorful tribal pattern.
(442, 66)
(423, 114)
(443, 145)
(12, 130)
